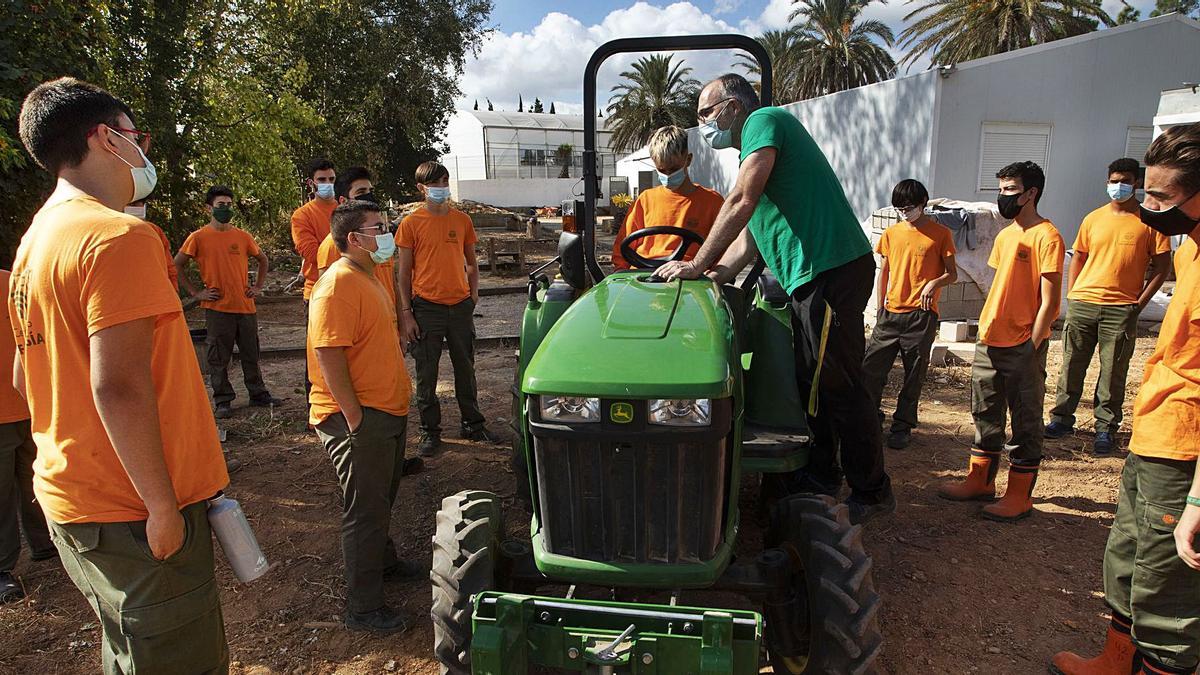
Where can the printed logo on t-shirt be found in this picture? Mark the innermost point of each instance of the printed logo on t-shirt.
(234, 249)
(1128, 238)
(1023, 254)
(31, 337)
(451, 236)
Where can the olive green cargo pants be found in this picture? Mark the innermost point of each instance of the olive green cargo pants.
(158, 616)
(18, 509)
(1114, 329)
(911, 335)
(1009, 380)
(1144, 577)
(454, 325)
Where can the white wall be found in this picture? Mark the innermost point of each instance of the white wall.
(464, 135)
(517, 191)
(1091, 89)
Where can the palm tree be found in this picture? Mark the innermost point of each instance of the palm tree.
(835, 51)
(783, 47)
(953, 31)
(656, 93)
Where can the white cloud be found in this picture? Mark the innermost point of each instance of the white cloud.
(726, 6)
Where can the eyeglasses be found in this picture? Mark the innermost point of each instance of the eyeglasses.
(703, 114)
(142, 138)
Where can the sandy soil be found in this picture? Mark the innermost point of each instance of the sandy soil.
(961, 593)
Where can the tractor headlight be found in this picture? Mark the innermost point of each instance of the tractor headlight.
(570, 409)
(681, 412)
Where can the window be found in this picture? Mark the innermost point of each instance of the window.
(533, 157)
(1137, 141)
(1003, 143)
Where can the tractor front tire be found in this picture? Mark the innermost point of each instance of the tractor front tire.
(833, 619)
(466, 547)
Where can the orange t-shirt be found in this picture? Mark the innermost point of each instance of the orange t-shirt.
(310, 225)
(386, 273)
(1166, 414)
(916, 256)
(351, 309)
(223, 261)
(12, 404)
(439, 245)
(172, 273)
(1119, 247)
(1020, 258)
(82, 268)
(663, 207)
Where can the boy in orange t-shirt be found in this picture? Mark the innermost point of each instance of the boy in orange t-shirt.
(1152, 559)
(230, 314)
(678, 202)
(1009, 372)
(17, 452)
(439, 288)
(359, 406)
(355, 183)
(128, 455)
(918, 261)
(1107, 289)
(310, 225)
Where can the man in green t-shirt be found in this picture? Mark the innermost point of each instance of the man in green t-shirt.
(788, 205)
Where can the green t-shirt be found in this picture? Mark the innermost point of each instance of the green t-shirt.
(803, 224)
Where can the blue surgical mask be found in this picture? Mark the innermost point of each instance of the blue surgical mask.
(716, 137)
(325, 190)
(437, 195)
(672, 180)
(1120, 192)
(385, 248)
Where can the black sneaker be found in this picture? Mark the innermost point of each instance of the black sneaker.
(405, 570)
(861, 512)
(898, 440)
(481, 435)
(49, 554)
(224, 411)
(412, 465)
(266, 402)
(1104, 444)
(1057, 430)
(428, 445)
(10, 590)
(382, 620)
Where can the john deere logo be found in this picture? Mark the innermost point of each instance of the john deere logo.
(621, 413)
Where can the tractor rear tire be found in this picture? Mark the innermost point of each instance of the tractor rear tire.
(835, 615)
(466, 547)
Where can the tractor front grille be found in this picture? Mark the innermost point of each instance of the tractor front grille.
(647, 499)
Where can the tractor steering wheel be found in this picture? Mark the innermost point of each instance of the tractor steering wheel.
(637, 261)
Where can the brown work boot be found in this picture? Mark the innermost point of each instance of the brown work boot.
(1116, 659)
(1017, 501)
(980, 483)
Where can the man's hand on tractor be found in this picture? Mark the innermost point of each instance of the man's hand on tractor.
(1186, 532)
(679, 270)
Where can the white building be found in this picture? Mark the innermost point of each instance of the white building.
(1072, 106)
(517, 159)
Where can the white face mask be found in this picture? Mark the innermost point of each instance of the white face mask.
(137, 211)
(144, 177)
(437, 195)
(914, 214)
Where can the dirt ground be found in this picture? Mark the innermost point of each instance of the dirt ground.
(960, 593)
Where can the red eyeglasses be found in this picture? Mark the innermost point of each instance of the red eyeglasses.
(141, 138)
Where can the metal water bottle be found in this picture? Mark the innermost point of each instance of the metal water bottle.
(237, 540)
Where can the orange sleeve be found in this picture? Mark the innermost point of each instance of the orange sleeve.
(123, 280)
(1083, 237)
(172, 273)
(190, 245)
(331, 322)
(404, 234)
(251, 245)
(326, 254)
(1050, 254)
(882, 247)
(469, 237)
(948, 247)
(994, 256)
(634, 220)
(304, 236)
(1160, 243)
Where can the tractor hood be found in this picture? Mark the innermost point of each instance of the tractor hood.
(630, 338)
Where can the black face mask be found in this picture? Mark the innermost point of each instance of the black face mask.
(368, 197)
(1009, 208)
(1171, 222)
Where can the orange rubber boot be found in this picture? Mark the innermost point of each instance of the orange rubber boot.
(1146, 665)
(1017, 501)
(1116, 659)
(980, 483)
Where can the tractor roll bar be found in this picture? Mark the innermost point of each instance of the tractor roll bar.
(587, 220)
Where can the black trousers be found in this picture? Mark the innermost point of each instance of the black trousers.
(828, 328)
(911, 336)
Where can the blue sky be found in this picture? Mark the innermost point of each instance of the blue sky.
(539, 47)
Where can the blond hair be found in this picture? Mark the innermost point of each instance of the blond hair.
(668, 143)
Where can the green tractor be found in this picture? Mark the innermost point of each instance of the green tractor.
(638, 406)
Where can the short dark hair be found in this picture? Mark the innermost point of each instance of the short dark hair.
(1030, 174)
(909, 192)
(1179, 148)
(318, 164)
(1125, 165)
(217, 191)
(431, 172)
(57, 117)
(349, 217)
(341, 186)
(739, 88)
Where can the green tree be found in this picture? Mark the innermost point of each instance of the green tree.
(1128, 14)
(520, 104)
(1186, 7)
(953, 31)
(489, 101)
(835, 50)
(656, 92)
(552, 108)
(537, 106)
(783, 47)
